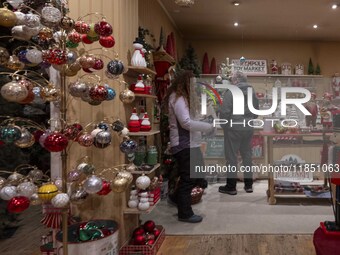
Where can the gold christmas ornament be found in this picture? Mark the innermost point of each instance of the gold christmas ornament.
(50, 93)
(47, 192)
(7, 17)
(27, 139)
(4, 56)
(126, 175)
(119, 185)
(127, 96)
(68, 72)
(14, 63)
(45, 33)
(67, 23)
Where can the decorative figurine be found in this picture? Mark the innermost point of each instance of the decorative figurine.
(299, 69)
(327, 109)
(145, 124)
(286, 69)
(274, 68)
(138, 58)
(134, 125)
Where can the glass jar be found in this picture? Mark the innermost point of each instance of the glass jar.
(140, 154)
(152, 156)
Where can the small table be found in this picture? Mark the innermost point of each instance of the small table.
(270, 157)
(326, 244)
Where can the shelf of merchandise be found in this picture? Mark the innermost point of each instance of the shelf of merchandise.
(145, 95)
(147, 172)
(148, 133)
(269, 75)
(136, 211)
(136, 70)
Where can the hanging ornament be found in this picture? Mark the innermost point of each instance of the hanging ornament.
(125, 174)
(10, 133)
(14, 63)
(242, 60)
(8, 192)
(50, 93)
(50, 15)
(95, 131)
(31, 31)
(143, 182)
(106, 188)
(67, 23)
(20, 17)
(59, 183)
(128, 146)
(79, 195)
(45, 33)
(55, 56)
(111, 94)
(78, 88)
(82, 27)
(4, 56)
(93, 184)
(61, 200)
(42, 138)
(32, 20)
(35, 174)
(119, 185)
(2, 182)
(115, 67)
(107, 41)
(85, 39)
(86, 168)
(127, 96)
(71, 45)
(26, 140)
(98, 64)
(19, 34)
(55, 142)
(15, 178)
(71, 57)
(26, 189)
(35, 200)
(103, 126)
(72, 131)
(102, 139)
(15, 3)
(103, 28)
(85, 139)
(47, 191)
(73, 176)
(7, 17)
(18, 204)
(34, 56)
(29, 86)
(98, 93)
(117, 126)
(14, 91)
(74, 37)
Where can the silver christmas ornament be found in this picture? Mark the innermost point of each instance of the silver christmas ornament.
(19, 34)
(71, 57)
(51, 15)
(85, 168)
(32, 20)
(59, 183)
(26, 189)
(2, 182)
(35, 200)
(34, 56)
(35, 174)
(15, 3)
(93, 184)
(26, 140)
(4, 56)
(61, 200)
(78, 196)
(103, 137)
(15, 178)
(8, 192)
(31, 31)
(20, 17)
(78, 88)
(143, 182)
(14, 91)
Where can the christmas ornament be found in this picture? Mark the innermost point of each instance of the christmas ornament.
(18, 204)
(22, 56)
(47, 191)
(55, 142)
(124, 132)
(74, 36)
(78, 196)
(92, 33)
(72, 131)
(133, 203)
(43, 137)
(78, 88)
(138, 58)
(126, 175)
(35, 174)
(2, 182)
(67, 23)
(15, 178)
(20, 17)
(50, 93)
(35, 200)
(98, 93)
(95, 131)
(10, 133)
(119, 185)
(115, 67)
(138, 231)
(45, 33)
(103, 126)
(4, 56)
(127, 96)
(117, 126)
(86, 139)
(156, 232)
(32, 20)
(61, 200)
(8, 192)
(50, 15)
(143, 204)
(31, 31)
(26, 189)
(71, 57)
(19, 34)
(139, 86)
(82, 27)
(87, 61)
(139, 239)
(55, 56)
(93, 184)
(128, 146)
(103, 28)
(107, 41)
(98, 64)
(59, 183)
(86, 168)
(149, 226)
(15, 3)
(71, 45)
(7, 17)
(106, 188)
(85, 39)
(73, 176)
(143, 182)
(150, 242)
(26, 140)
(14, 63)
(103, 137)
(14, 91)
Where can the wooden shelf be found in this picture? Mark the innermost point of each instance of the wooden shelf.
(152, 132)
(136, 70)
(267, 75)
(136, 211)
(145, 95)
(147, 172)
(162, 55)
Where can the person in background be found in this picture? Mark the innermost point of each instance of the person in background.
(185, 140)
(237, 137)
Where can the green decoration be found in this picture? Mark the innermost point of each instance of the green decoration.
(142, 34)
(190, 61)
(317, 70)
(310, 67)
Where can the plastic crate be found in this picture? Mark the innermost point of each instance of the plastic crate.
(129, 249)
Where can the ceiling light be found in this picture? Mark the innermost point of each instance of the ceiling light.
(235, 24)
(236, 3)
(334, 6)
(185, 3)
(315, 26)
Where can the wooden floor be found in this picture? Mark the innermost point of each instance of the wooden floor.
(238, 245)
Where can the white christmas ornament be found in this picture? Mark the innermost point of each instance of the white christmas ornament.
(34, 56)
(15, 3)
(61, 200)
(93, 184)
(124, 132)
(59, 183)
(133, 203)
(95, 132)
(31, 31)
(19, 34)
(143, 182)
(32, 20)
(8, 192)
(26, 189)
(20, 17)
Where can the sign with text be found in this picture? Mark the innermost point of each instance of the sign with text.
(250, 66)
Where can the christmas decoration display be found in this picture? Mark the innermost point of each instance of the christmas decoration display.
(145, 125)
(190, 62)
(138, 58)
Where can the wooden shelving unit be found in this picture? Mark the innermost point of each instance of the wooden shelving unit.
(147, 172)
(136, 70)
(152, 132)
(145, 95)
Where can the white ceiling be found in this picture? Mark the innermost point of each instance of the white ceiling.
(258, 19)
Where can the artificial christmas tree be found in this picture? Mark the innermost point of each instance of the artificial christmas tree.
(310, 67)
(190, 62)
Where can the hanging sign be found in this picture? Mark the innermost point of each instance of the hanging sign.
(250, 66)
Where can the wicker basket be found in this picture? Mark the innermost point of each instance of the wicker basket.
(196, 195)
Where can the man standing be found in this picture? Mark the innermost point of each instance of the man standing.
(237, 135)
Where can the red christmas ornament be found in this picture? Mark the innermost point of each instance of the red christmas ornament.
(55, 56)
(103, 28)
(55, 142)
(139, 239)
(150, 236)
(37, 134)
(150, 242)
(156, 232)
(74, 37)
(138, 232)
(98, 64)
(107, 41)
(106, 232)
(87, 70)
(72, 131)
(106, 188)
(98, 93)
(85, 39)
(149, 226)
(85, 140)
(82, 27)
(18, 204)
(205, 65)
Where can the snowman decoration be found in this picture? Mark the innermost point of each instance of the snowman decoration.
(138, 58)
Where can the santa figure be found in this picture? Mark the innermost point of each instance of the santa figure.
(134, 124)
(138, 58)
(146, 124)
